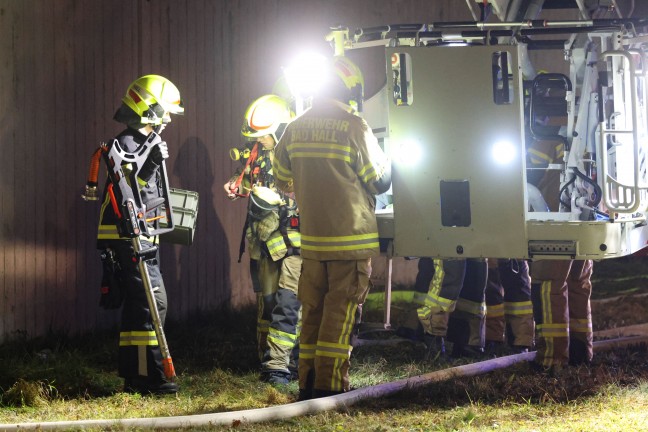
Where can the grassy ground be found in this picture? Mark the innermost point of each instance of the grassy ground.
(62, 378)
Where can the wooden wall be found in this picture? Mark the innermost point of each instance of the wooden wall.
(64, 66)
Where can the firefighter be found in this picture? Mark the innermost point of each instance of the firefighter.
(560, 289)
(509, 313)
(272, 233)
(452, 306)
(333, 162)
(145, 108)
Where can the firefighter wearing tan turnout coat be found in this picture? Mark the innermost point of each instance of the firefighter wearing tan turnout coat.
(272, 234)
(332, 160)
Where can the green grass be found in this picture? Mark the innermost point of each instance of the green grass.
(59, 377)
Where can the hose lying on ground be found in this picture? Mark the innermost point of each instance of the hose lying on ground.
(282, 412)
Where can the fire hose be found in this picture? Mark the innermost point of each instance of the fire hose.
(313, 406)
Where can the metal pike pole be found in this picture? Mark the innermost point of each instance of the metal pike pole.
(142, 257)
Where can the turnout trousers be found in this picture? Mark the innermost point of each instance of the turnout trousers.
(509, 312)
(330, 292)
(278, 310)
(561, 306)
(139, 352)
(457, 287)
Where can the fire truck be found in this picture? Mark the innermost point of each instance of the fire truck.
(463, 109)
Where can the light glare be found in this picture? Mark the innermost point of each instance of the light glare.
(503, 152)
(306, 75)
(409, 152)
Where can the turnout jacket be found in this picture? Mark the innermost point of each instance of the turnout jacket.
(333, 162)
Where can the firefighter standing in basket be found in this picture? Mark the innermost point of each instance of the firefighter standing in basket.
(145, 109)
(331, 158)
(272, 233)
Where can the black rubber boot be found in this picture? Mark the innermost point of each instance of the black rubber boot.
(145, 386)
(434, 347)
(468, 351)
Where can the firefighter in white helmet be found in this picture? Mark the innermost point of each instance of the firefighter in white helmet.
(272, 233)
(145, 108)
(331, 159)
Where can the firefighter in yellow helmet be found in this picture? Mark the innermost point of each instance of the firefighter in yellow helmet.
(272, 233)
(145, 109)
(331, 159)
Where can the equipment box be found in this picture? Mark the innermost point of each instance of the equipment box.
(185, 211)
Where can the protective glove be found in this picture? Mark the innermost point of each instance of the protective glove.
(159, 152)
(156, 156)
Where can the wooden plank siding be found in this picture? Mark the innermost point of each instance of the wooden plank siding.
(64, 66)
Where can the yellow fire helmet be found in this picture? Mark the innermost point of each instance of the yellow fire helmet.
(351, 76)
(153, 98)
(268, 115)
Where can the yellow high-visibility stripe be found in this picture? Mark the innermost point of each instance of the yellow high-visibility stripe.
(138, 338)
(295, 238)
(276, 244)
(298, 147)
(368, 173)
(545, 299)
(581, 325)
(540, 156)
(347, 326)
(307, 351)
(307, 155)
(282, 338)
(518, 308)
(355, 237)
(433, 300)
(350, 242)
(471, 307)
(553, 330)
(495, 311)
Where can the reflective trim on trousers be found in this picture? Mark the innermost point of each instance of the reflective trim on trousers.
(582, 325)
(135, 338)
(342, 350)
(307, 351)
(327, 349)
(518, 308)
(552, 330)
(282, 338)
(545, 299)
(495, 311)
(471, 307)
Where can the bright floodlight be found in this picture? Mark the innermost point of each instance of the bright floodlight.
(503, 152)
(409, 152)
(306, 74)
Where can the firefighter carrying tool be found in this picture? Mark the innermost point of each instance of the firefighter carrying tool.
(135, 203)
